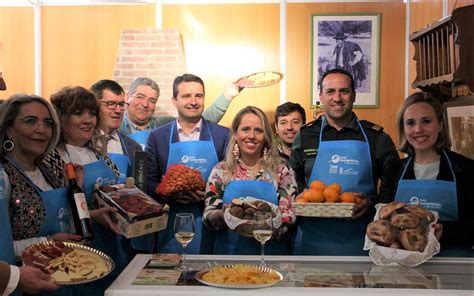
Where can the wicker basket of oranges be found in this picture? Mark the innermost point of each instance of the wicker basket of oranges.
(328, 201)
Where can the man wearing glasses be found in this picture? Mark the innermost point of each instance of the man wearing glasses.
(142, 97)
(119, 147)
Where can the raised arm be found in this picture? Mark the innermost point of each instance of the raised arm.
(216, 111)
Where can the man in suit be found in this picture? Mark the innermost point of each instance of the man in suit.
(26, 278)
(190, 140)
(142, 97)
(120, 148)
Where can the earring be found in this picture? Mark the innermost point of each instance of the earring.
(236, 151)
(8, 145)
(265, 153)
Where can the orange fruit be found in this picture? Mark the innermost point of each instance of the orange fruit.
(336, 187)
(301, 200)
(317, 185)
(348, 197)
(314, 195)
(331, 195)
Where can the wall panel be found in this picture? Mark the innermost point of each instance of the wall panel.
(80, 42)
(17, 50)
(224, 42)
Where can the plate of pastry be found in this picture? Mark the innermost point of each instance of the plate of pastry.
(259, 79)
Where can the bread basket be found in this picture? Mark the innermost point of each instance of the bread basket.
(246, 227)
(385, 256)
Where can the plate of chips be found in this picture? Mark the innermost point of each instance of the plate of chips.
(68, 263)
(259, 79)
(239, 276)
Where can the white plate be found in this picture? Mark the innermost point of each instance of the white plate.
(201, 273)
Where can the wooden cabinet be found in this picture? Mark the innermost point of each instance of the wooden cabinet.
(444, 55)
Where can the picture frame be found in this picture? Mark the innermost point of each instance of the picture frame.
(459, 118)
(338, 38)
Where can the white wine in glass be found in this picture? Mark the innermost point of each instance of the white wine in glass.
(184, 233)
(263, 231)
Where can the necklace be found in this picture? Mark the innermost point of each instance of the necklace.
(250, 169)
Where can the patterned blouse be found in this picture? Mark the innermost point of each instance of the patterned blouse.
(285, 182)
(26, 209)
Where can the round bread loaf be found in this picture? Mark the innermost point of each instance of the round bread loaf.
(413, 240)
(422, 213)
(390, 208)
(396, 245)
(236, 211)
(405, 221)
(382, 232)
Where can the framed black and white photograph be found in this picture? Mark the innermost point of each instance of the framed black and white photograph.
(460, 121)
(350, 42)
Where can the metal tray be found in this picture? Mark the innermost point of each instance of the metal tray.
(200, 274)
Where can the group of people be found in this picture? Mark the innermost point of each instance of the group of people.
(100, 129)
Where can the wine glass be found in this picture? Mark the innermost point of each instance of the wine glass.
(184, 233)
(263, 231)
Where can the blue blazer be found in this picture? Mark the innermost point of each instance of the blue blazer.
(157, 148)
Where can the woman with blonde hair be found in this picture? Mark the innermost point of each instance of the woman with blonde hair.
(251, 168)
(435, 177)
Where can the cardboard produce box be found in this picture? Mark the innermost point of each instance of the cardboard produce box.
(137, 213)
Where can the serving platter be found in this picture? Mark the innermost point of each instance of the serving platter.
(259, 79)
(264, 270)
(75, 264)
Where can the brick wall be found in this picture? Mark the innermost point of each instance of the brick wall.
(154, 53)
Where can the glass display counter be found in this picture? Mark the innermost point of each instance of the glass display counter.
(315, 275)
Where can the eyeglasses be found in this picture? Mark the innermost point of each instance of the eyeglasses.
(34, 122)
(111, 105)
(142, 97)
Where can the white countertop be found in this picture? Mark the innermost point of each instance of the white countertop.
(451, 275)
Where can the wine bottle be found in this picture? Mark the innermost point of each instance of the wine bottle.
(78, 203)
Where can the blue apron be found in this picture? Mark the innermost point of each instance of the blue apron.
(122, 161)
(435, 195)
(97, 172)
(105, 240)
(347, 162)
(6, 240)
(58, 214)
(140, 137)
(200, 155)
(230, 242)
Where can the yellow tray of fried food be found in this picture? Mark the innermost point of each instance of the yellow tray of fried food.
(239, 276)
